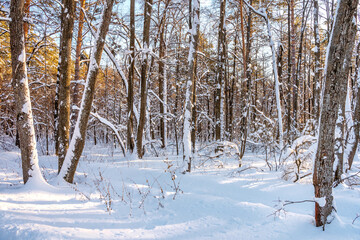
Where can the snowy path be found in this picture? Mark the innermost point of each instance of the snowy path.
(212, 203)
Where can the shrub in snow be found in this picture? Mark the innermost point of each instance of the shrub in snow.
(298, 158)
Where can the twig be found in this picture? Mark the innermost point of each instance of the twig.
(335, 184)
(357, 216)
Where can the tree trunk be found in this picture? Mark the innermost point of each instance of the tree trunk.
(24, 117)
(130, 102)
(337, 67)
(317, 71)
(220, 74)
(78, 140)
(232, 92)
(289, 83)
(190, 84)
(76, 94)
(67, 25)
(27, 15)
(280, 67)
(143, 81)
(244, 53)
(354, 145)
(177, 100)
(299, 78)
(246, 89)
(294, 80)
(162, 77)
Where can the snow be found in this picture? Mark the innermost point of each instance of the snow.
(187, 123)
(277, 88)
(210, 203)
(350, 132)
(22, 57)
(315, 49)
(321, 201)
(26, 108)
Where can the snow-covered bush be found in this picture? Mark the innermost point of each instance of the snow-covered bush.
(297, 160)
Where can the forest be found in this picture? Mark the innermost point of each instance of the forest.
(186, 119)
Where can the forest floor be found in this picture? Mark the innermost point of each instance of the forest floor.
(125, 198)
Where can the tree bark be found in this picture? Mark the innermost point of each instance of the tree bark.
(294, 80)
(76, 94)
(190, 84)
(354, 146)
(143, 81)
(299, 78)
(337, 66)
(67, 25)
(220, 75)
(246, 88)
(289, 83)
(24, 116)
(130, 102)
(27, 14)
(317, 71)
(162, 77)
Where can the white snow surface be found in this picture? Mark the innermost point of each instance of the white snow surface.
(212, 203)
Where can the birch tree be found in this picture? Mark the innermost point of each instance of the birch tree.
(262, 13)
(336, 69)
(190, 84)
(220, 75)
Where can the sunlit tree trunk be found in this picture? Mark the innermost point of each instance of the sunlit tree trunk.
(336, 69)
(24, 116)
(78, 140)
(67, 25)
(294, 80)
(79, 39)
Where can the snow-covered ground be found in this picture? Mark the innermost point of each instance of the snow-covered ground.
(117, 198)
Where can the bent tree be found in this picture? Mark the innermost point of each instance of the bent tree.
(24, 123)
(78, 140)
(262, 13)
(336, 70)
